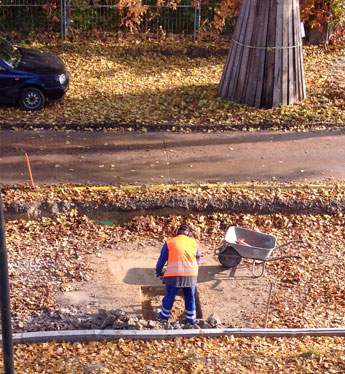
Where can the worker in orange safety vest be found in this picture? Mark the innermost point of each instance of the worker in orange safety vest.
(182, 257)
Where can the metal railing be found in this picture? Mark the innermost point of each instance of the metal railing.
(65, 16)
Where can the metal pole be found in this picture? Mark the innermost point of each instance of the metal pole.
(62, 20)
(199, 18)
(66, 13)
(195, 18)
(268, 304)
(7, 343)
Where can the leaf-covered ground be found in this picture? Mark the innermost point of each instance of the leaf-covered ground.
(196, 355)
(124, 82)
(47, 254)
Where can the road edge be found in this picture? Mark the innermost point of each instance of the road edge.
(110, 335)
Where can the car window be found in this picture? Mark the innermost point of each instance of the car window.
(9, 53)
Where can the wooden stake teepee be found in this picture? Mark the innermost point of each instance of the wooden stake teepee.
(264, 67)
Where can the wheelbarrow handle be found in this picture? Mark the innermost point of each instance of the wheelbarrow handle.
(288, 243)
(282, 258)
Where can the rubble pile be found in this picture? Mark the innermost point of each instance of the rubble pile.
(120, 320)
(103, 319)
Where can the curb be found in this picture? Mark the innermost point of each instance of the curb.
(173, 127)
(122, 211)
(236, 186)
(110, 335)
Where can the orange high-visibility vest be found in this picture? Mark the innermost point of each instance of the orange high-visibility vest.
(182, 260)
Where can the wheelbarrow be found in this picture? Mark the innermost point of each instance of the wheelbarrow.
(244, 243)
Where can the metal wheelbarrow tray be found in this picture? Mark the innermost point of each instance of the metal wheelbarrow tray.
(244, 243)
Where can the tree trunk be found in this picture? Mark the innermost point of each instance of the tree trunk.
(264, 67)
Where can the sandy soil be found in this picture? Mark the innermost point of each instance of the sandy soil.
(124, 278)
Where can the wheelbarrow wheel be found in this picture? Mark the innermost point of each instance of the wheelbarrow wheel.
(229, 257)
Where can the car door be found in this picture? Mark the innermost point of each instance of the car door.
(9, 84)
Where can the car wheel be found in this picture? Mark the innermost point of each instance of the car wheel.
(31, 99)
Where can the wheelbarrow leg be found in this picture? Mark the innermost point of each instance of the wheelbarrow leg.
(233, 271)
(262, 263)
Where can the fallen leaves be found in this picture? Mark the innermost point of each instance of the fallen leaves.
(196, 355)
(112, 88)
(256, 193)
(49, 254)
(46, 256)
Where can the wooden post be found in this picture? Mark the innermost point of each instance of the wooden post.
(264, 67)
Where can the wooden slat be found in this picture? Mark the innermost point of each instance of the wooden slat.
(298, 17)
(267, 99)
(224, 82)
(228, 69)
(239, 52)
(265, 77)
(277, 57)
(249, 87)
(291, 51)
(223, 85)
(296, 53)
(285, 54)
(263, 56)
(243, 61)
(231, 77)
(300, 58)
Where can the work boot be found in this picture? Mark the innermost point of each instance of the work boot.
(159, 315)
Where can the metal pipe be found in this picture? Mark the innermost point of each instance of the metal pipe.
(62, 20)
(66, 14)
(199, 17)
(111, 335)
(268, 304)
(7, 342)
(195, 18)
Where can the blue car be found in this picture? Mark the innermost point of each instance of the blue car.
(28, 77)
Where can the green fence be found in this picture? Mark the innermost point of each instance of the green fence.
(65, 16)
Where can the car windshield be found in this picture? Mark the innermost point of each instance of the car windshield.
(9, 53)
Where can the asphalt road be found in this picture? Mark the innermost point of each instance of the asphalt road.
(149, 158)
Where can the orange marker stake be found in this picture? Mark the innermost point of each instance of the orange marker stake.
(29, 169)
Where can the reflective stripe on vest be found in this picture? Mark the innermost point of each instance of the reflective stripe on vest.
(182, 257)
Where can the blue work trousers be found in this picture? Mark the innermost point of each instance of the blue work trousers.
(189, 302)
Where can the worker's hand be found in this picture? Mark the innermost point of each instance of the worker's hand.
(157, 274)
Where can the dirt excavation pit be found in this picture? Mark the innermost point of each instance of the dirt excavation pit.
(124, 279)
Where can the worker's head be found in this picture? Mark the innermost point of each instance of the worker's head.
(184, 230)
